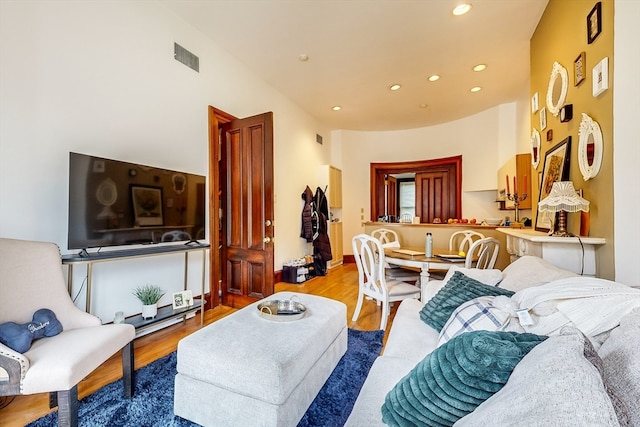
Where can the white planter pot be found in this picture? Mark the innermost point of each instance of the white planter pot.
(149, 311)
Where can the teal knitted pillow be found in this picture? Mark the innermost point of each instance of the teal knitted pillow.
(458, 290)
(456, 377)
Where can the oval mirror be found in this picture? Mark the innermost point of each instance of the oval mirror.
(535, 148)
(589, 147)
(557, 90)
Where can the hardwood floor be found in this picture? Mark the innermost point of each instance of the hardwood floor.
(341, 283)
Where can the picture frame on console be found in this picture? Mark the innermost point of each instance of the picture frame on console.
(555, 168)
(147, 205)
(182, 299)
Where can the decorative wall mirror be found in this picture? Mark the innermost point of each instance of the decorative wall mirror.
(589, 147)
(535, 148)
(558, 86)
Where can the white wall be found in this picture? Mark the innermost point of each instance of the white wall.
(99, 78)
(478, 138)
(626, 152)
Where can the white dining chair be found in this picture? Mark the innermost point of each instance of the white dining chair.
(372, 282)
(462, 240)
(390, 239)
(483, 253)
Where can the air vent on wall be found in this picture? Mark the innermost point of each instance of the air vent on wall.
(187, 58)
(318, 138)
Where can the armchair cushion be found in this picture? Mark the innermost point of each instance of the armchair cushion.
(19, 337)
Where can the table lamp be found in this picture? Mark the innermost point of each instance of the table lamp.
(562, 199)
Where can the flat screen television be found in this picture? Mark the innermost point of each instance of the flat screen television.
(114, 203)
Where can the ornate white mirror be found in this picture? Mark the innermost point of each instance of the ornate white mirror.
(589, 147)
(558, 86)
(535, 148)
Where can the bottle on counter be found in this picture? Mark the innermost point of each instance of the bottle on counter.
(428, 246)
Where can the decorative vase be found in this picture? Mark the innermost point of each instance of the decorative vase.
(149, 311)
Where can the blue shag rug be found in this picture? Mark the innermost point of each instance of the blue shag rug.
(152, 403)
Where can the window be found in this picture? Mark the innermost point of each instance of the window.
(407, 197)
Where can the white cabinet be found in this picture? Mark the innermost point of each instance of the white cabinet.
(577, 254)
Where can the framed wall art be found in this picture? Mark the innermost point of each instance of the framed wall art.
(543, 118)
(555, 168)
(535, 106)
(578, 68)
(594, 23)
(600, 77)
(147, 205)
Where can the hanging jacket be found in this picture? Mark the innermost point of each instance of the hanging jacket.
(321, 243)
(306, 231)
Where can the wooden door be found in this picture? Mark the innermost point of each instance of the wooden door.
(246, 174)
(436, 195)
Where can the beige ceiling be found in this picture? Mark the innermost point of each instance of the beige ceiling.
(358, 48)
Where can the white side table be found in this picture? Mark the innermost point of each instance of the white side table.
(569, 253)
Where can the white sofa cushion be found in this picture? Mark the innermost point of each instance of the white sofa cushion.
(621, 363)
(409, 337)
(528, 271)
(384, 374)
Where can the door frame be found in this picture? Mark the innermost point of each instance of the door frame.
(217, 118)
(379, 170)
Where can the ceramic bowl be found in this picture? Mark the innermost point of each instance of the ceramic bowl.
(493, 221)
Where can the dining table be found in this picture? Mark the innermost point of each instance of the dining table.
(442, 259)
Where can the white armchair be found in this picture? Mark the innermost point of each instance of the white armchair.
(30, 279)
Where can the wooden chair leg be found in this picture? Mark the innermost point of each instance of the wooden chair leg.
(68, 407)
(128, 370)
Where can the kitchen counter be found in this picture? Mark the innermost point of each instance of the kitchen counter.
(413, 235)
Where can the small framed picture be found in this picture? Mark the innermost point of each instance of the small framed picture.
(534, 103)
(600, 76)
(594, 23)
(182, 299)
(543, 118)
(578, 69)
(550, 135)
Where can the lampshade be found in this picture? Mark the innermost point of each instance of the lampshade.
(563, 197)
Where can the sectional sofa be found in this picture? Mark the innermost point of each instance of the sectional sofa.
(579, 367)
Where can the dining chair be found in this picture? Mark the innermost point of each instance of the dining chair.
(390, 239)
(462, 240)
(483, 253)
(372, 282)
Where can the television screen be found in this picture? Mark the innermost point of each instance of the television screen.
(113, 203)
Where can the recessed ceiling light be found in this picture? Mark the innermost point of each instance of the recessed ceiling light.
(336, 108)
(461, 9)
(423, 105)
(476, 89)
(479, 67)
(394, 87)
(303, 58)
(434, 78)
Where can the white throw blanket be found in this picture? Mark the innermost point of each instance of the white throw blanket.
(592, 305)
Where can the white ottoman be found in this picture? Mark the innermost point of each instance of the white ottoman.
(244, 370)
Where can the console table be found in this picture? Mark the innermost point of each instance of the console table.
(164, 313)
(577, 254)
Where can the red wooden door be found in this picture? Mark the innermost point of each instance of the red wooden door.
(435, 195)
(246, 173)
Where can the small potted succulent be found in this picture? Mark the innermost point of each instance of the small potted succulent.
(149, 295)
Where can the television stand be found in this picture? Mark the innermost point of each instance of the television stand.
(89, 259)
